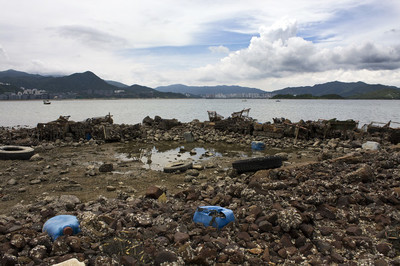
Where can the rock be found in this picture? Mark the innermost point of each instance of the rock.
(128, 261)
(383, 248)
(322, 246)
(18, 241)
(70, 262)
(283, 155)
(354, 231)
(364, 174)
(307, 230)
(153, 192)
(12, 182)
(164, 257)
(111, 188)
(36, 157)
(106, 168)
(181, 237)
(371, 145)
(188, 136)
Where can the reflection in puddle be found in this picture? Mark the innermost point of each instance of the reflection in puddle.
(154, 159)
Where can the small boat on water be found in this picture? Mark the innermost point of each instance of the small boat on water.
(46, 102)
(278, 101)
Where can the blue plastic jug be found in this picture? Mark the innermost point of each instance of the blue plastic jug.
(258, 145)
(215, 216)
(61, 225)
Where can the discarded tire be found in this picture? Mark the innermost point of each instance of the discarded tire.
(16, 153)
(177, 166)
(255, 164)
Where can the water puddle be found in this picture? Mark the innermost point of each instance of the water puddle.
(155, 157)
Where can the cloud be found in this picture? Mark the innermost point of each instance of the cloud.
(3, 55)
(279, 52)
(91, 36)
(219, 49)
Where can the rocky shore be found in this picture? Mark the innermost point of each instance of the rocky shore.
(333, 202)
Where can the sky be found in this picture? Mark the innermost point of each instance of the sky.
(266, 44)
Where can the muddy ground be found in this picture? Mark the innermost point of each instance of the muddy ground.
(60, 169)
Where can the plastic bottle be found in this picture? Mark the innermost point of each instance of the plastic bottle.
(61, 225)
(215, 216)
(258, 145)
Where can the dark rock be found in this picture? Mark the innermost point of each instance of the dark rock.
(326, 230)
(306, 249)
(307, 230)
(265, 226)
(181, 237)
(106, 168)
(9, 260)
(322, 246)
(286, 241)
(282, 253)
(300, 241)
(336, 257)
(383, 248)
(244, 236)
(148, 121)
(164, 256)
(354, 231)
(153, 192)
(381, 262)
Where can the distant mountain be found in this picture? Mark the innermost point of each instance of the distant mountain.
(8, 88)
(207, 90)
(79, 85)
(340, 88)
(116, 84)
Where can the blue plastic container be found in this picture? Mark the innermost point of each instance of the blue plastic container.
(61, 225)
(215, 216)
(258, 145)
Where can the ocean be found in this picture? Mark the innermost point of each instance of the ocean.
(132, 111)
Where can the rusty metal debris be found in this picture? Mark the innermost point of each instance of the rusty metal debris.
(213, 116)
(244, 114)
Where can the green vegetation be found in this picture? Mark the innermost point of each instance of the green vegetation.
(306, 96)
(379, 94)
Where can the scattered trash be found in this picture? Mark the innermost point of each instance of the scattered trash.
(371, 145)
(61, 225)
(177, 166)
(255, 164)
(258, 145)
(215, 216)
(213, 116)
(16, 153)
(70, 262)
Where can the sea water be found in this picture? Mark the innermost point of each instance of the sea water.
(132, 111)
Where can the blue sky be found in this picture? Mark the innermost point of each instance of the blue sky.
(257, 43)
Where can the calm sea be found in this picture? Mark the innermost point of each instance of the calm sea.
(132, 111)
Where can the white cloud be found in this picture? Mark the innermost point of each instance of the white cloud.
(278, 52)
(3, 56)
(219, 49)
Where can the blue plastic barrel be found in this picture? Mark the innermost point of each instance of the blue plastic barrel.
(215, 216)
(258, 145)
(61, 225)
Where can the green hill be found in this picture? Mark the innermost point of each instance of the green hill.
(379, 94)
(80, 85)
(340, 88)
